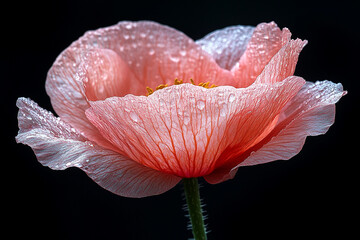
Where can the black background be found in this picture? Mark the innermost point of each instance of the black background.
(312, 195)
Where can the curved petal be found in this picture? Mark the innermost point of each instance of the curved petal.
(311, 112)
(283, 64)
(188, 130)
(104, 74)
(157, 54)
(65, 87)
(265, 42)
(59, 146)
(227, 45)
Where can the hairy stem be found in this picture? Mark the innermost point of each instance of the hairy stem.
(192, 196)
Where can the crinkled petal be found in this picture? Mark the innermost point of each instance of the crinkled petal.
(265, 42)
(157, 54)
(104, 74)
(311, 112)
(188, 130)
(65, 87)
(227, 45)
(283, 64)
(59, 146)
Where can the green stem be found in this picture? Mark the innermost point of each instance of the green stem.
(192, 195)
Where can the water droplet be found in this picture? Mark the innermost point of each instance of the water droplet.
(231, 97)
(161, 45)
(223, 110)
(174, 59)
(79, 165)
(183, 53)
(101, 88)
(151, 52)
(103, 39)
(200, 104)
(186, 119)
(134, 117)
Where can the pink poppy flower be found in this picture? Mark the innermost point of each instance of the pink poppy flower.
(225, 101)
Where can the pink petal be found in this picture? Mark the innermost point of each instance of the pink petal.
(265, 42)
(227, 45)
(157, 54)
(188, 130)
(283, 63)
(310, 113)
(59, 146)
(64, 85)
(105, 74)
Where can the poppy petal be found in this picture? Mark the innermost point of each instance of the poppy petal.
(265, 42)
(283, 63)
(59, 146)
(188, 130)
(310, 113)
(104, 74)
(156, 54)
(227, 45)
(65, 87)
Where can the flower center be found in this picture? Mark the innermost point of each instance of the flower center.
(178, 82)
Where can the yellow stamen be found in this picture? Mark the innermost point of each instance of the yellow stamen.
(205, 85)
(178, 82)
(149, 91)
(161, 86)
